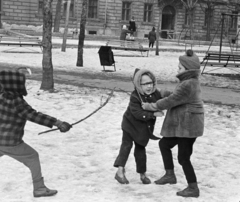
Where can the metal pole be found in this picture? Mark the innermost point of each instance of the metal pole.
(66, 27)
(223, 18)
(105, 24)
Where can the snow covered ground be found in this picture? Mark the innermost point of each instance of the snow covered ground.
(79, 164)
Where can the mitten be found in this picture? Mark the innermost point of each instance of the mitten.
(149, 106)
(63, 126)
(158, 114)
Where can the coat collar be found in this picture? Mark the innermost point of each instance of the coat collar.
(188, 74)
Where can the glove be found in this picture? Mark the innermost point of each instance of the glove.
(63, 126)
(158, 114)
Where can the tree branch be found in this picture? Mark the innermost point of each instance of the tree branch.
(101, 106)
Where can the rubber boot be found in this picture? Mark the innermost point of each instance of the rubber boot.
(191, 191)
(40, 190)
(168, 178)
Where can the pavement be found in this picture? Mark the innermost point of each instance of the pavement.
(210, 94)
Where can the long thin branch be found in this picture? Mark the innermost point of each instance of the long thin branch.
(101, 106)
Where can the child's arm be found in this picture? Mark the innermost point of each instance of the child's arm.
(25, 111)
(178, 97)
(137, 111)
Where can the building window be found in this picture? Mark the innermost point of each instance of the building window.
(233, 20)
(92, 8)
(126, 10)
(40, 7)
(148, 12)
(71, 10)
(208, 16)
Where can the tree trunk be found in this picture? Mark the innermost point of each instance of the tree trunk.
(82, 34)
(158, 28)
(66, 27)
(47, 77)
(57, 16)
(208, 34)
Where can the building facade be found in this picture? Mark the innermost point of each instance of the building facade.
(106, 17)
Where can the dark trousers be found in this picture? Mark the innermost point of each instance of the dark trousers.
(151, 44)
(139, 154)
(185, 149)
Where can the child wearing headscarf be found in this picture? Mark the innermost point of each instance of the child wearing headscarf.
(183, 124)
(138, 125)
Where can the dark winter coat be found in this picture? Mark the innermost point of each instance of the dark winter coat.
(132, 25)
(185, 115)
(136, 121)
(152, 36)
(15, 111)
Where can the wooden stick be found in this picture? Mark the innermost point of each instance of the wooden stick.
(101, 106)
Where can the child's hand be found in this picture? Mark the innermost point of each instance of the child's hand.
(149, 106)
(144, 105)
(63, 126)
(158, 114)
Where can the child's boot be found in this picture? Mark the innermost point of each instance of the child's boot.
(41, 190)
(121, 178)
(191, 191)
(168, 178)
(144, 178)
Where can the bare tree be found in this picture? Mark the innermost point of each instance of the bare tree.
(47, 77)
(57, 16)
(190, 6)
(82, 33)
(208, 7)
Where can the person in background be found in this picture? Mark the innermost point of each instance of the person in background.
(183, 123)
(138, 125)
(15, 112)
(152, 37)
(124, 32)
(132, 26)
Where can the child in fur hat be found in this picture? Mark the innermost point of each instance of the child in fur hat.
(184, 122)
(15, 112)
(138, 125)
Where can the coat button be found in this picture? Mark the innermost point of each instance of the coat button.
(144, 117)
(149, 126)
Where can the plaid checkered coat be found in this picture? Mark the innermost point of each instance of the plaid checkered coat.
(15, 111)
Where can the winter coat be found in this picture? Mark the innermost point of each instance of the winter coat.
(185, 111)
(136, 121)
(132, 25)
(124, 34)
(15, 111)
(152, 36)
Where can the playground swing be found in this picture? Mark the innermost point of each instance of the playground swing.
(185, 32)
(221, 60)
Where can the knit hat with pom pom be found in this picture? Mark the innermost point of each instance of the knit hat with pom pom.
(190, 60)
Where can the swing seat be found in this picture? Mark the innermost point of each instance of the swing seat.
(222, 60)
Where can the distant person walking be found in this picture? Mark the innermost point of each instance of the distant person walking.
(152, 37)
(132, 26)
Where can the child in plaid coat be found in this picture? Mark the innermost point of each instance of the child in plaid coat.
(15, 111)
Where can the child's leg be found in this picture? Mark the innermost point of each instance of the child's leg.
(26, 155)
(185, 149)
(30, 158)
(165, 145)
(125, 150)
(140, 158)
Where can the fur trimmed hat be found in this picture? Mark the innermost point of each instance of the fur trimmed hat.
(190, 60)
